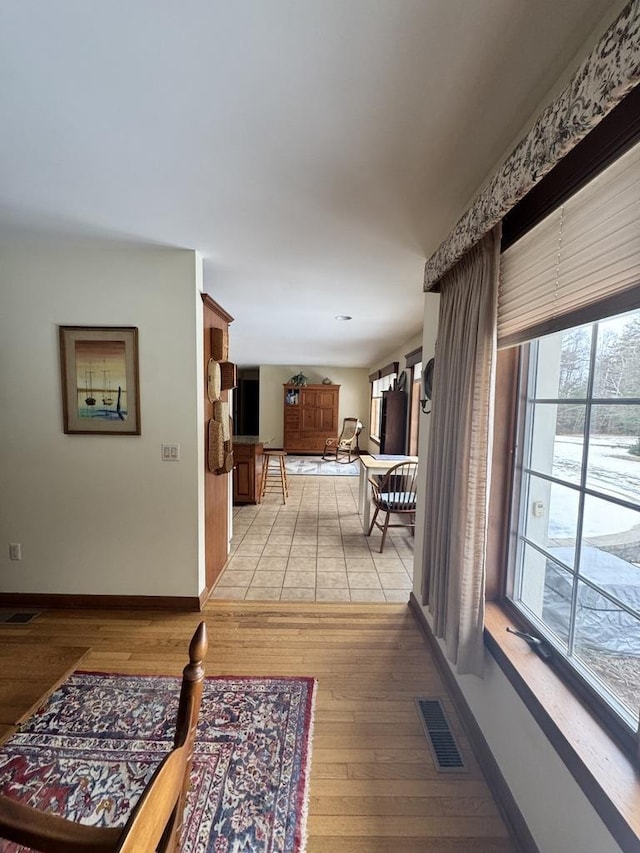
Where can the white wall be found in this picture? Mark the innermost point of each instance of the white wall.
(354, 395)
(99, 514)
(558, 814)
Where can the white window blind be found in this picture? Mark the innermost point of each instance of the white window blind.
(585, 252)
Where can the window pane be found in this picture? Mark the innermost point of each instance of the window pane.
(607, 640)
(614, 451)
(563, 364)
(374, 420)
(617, 371)
(618, 577)
(551, 518)
(610, 552)
(546, 591)
(558, 440)
(611, 527)
(414, 413)
(533, 571)
(556, 612)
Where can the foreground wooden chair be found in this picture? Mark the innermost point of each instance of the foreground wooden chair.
(395, 494)
(156, 820)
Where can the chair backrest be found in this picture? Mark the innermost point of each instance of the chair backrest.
(397, 489)
(156, 820)
(349, 430)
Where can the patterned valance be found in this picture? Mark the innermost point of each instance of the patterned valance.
(602, 80)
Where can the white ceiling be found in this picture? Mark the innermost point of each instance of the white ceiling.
(314, 151)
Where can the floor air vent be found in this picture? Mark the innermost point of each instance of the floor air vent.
(17, 618)
(446, 755)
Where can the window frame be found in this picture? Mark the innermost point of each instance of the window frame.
(514, 368)
(380, 381)
(606, 142)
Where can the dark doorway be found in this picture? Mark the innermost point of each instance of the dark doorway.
(246, 416)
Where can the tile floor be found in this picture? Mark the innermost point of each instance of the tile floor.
(313, 548)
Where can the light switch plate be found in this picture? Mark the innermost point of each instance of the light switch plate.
(170, 452)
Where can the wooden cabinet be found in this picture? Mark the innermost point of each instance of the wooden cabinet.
(216, 486)
(393, 423)
(247, 472)
(310, 417)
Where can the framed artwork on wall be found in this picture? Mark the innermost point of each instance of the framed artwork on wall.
(100, 382)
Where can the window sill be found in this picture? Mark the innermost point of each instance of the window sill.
(374, 440)
(603, 770)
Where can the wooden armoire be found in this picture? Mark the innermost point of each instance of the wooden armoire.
(393, 423)
(310, 417)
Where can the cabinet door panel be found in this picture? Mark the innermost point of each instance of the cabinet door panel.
(308, 397)
(309, 419)
(326, 399)
(326, 420)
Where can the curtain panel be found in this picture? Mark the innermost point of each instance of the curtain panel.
(459, 452)
(603, 79)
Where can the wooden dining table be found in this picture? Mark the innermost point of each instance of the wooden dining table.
(374, 464)
(29, 673)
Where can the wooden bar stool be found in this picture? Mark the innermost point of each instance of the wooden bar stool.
(274, 476)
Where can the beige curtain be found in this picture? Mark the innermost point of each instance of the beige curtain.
(458, 455)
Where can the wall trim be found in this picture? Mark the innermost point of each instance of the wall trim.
(217, 309)
(101, 602)
(204, 596)
(495, 780)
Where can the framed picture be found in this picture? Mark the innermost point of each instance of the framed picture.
(100, 386)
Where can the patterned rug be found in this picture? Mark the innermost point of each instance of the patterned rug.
(89, 752)
(317, 465)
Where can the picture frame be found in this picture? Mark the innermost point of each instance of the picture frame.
(100, 380)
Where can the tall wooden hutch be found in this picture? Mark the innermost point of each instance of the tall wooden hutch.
(310, 417)
(393, 425)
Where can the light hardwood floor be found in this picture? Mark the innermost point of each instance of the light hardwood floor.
(374, 788)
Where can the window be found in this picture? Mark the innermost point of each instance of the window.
(414, 410)
(575, 562)
(381, 380)
(414, 371)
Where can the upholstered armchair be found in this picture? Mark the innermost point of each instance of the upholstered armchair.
(346, 444)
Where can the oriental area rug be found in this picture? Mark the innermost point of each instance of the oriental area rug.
(90, 750)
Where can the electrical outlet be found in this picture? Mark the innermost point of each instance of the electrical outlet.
(15, 552)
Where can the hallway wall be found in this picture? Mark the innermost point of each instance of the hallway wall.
(100, 514)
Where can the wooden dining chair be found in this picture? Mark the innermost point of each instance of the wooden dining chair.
(395, 494)
(155, 822)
